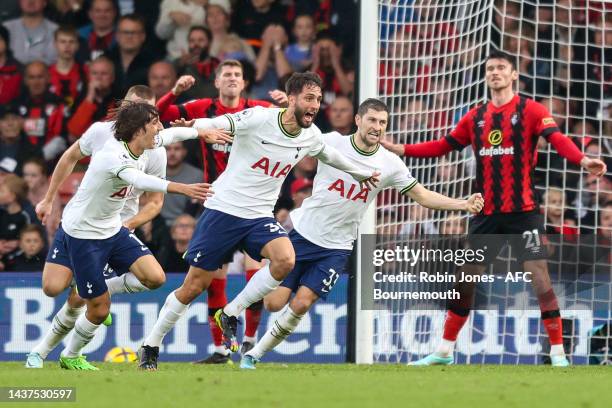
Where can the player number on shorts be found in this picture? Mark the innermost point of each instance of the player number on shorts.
(275, 227)
(533, 239)
(330, 281)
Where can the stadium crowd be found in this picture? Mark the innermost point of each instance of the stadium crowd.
(64, 64)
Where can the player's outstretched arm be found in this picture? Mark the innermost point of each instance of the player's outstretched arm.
(182, 130)
(152, 207)
(434, 148)
(329, 155)
(197, 191)
(146, 182)
(165, 105)
(63, 169)
(433, 200)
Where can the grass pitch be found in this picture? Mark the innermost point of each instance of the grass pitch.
(320, 386)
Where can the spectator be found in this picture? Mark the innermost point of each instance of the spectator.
(327, 62)
(171, 256)
(67, 77)
(341, 115)
(176, 18)
(98, 99)
(301, 189)
(131, 59)
(453, 224)
(31, 254)
(162, 77)
(252, 19)
(420, 221)
(13, 218)
(218, 21)
(340, 17)
(32, 33)
(271, 63)
(595, 194)
(230, 83)
(35, 175)
(68, 12)
(10, 70)
(605, 222)
(179, 172)
(199, 64)
(299, 53)
(44, 112)
(15, 146)
(554, 210)
(99, 36)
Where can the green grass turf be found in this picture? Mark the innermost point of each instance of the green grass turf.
(320, 386)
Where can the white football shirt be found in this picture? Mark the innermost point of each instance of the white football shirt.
(263, 154)
(94, 211)
(331, 216)
(96, 136)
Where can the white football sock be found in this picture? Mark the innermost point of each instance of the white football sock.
(557, 350)
(126, 283)
(169, 314)
(445, 348)
(282, 327)
(61, 325)
(83, 332)
(259, 286)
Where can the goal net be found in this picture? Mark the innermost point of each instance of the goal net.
(431, 72)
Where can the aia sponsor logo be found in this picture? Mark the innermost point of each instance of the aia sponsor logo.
(276, 170)
(349, 191)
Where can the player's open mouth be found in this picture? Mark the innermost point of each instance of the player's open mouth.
(309, 115)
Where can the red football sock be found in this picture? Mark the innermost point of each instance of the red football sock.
(453, 325)
(253, 312)
(551, 318)
(217, 299)
(554, 329)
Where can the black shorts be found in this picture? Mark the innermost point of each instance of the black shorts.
(524, 231)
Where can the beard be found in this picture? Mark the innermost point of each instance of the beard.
(299, 118)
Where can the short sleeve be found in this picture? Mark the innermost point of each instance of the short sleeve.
(318, 144)
(400, 177)
(460, 137)
(93, 139)
(545, 125)
(116, 162)
(246, 120)
(156, 165)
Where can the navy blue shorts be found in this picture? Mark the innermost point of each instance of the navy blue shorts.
(316, 267)
(218, 235)
(89, 258)
(59, 255)
(57, 251)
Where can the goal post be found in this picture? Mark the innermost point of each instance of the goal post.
(425, 59)
(368, 69)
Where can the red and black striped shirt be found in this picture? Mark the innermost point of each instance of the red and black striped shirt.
(504, 140)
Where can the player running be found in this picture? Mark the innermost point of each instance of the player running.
(230, 82)
(325, 226)
(503, 134)
(57, 272)
(92, 225)
(268, 142)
